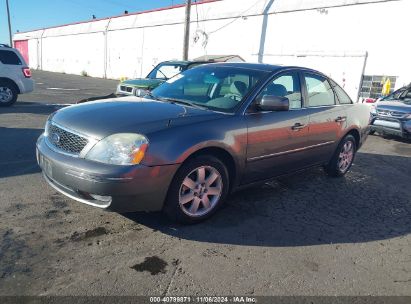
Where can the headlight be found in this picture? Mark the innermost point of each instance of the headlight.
(119, 149)
(141, 92)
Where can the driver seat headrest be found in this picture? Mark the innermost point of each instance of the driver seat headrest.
(276, 90)
(238, 88)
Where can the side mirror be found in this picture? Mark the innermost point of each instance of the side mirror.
(273, 103)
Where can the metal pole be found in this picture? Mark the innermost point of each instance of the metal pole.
(187, 30)
(8, 16)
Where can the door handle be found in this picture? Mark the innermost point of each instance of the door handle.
(298, 126)
(341, 119)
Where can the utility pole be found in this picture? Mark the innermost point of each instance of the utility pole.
(187, 30)
(8, 16)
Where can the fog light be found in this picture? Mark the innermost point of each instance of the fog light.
(105, 199)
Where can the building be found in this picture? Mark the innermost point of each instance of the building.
(345, 39)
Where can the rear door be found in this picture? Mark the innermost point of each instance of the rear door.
(327, 118)
(277, 140)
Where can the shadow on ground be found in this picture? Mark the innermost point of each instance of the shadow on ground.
(310, 209)
(28, 107)
(18, 151)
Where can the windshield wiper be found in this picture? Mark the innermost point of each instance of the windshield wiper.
(183, 102)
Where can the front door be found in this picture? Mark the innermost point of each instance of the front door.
(276, 140)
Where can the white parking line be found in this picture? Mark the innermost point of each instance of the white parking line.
(62, 89)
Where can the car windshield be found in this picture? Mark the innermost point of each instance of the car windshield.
(402, 95)
(218, 88)
(166, 70)
(395, 95)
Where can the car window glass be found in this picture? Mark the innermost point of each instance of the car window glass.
(406, 97)
(286, 85)
(217, 88)
(9, 57)
(168, 71)
(395, 95)
(319, 91)
(343, 98)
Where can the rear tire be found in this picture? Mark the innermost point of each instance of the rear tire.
(343, 157)
(8, 94)
(197, 191)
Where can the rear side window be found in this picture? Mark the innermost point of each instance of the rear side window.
(9, 57)
(342, 96)
(319, 91)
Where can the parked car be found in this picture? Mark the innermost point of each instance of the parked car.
(161, 73)
(166, 70)
(15, 76)
(199, 136)
(392, 114)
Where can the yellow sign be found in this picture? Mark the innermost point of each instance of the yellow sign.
(386, 87)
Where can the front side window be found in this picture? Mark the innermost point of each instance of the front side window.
(166, 71)
(219, 88)
(9, 57)
(319, 91)
(285, 85)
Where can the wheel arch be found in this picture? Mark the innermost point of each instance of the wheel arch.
(10, 81)
(356, 134)
(223, 155)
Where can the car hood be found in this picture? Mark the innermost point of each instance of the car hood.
(143, 83)
(396, 106)
(128, 115)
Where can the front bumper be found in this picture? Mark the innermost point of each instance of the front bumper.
(116, 188)
(391, 126)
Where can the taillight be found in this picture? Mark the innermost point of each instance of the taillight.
(370, 100)
(26, 72)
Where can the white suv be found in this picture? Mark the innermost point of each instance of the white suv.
(15, 76)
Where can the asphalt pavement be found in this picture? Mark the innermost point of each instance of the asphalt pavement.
(306, 234)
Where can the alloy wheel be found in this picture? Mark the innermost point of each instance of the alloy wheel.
(200, 191)
(6, 94)
(346, 156)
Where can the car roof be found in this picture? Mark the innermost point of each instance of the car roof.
(6, 47)
(261, 66)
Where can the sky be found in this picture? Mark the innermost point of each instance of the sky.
(34, 14)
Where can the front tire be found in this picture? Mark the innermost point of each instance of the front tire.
(197, 191)
(8, 94)
(343, 157)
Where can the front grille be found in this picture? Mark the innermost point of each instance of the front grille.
(389, 113)
(65, 140)
(126, 89)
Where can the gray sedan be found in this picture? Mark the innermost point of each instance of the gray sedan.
(199, 136)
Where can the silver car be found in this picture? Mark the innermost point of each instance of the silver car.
(199, 136)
